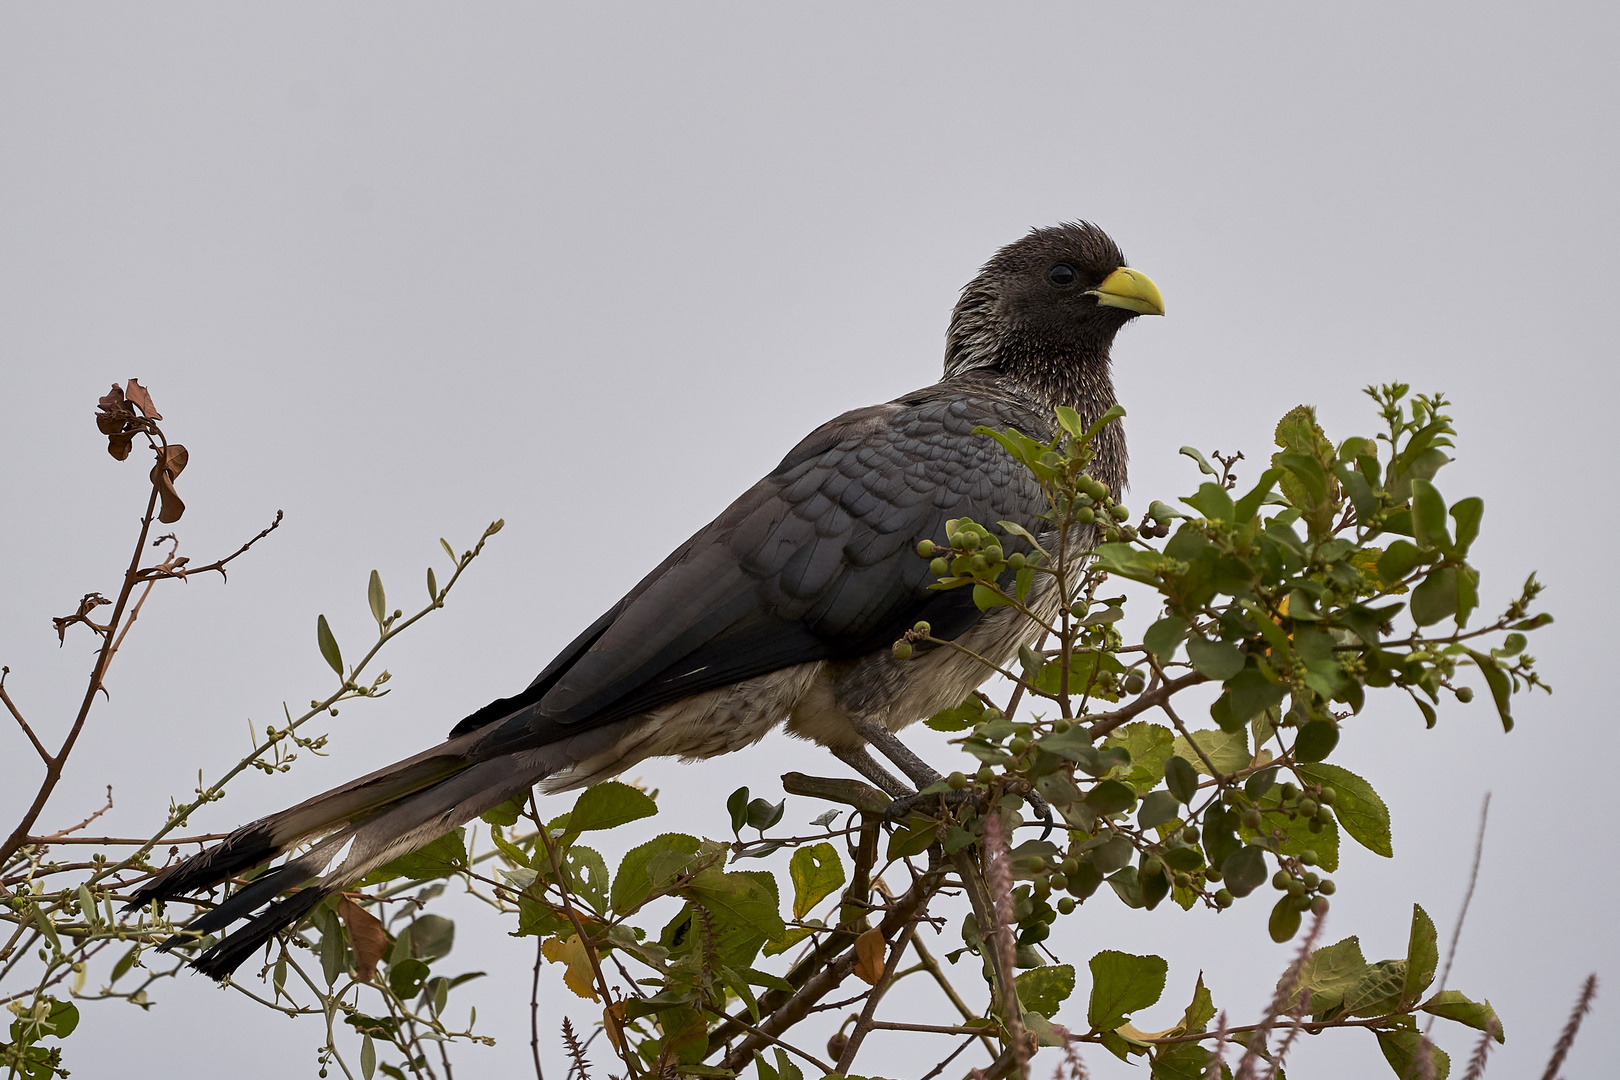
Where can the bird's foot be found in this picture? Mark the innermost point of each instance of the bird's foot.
(946, 799)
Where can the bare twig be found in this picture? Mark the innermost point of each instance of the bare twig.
(39, 747)
(534, 1009)
(57, 837)
(1572, 1027)
(1102, 723)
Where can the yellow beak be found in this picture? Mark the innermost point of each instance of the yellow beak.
(1131, 290)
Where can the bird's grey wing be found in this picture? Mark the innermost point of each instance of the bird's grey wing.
(816, 561)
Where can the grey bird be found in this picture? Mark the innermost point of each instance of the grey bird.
(784, 608)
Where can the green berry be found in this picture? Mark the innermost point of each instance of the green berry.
(1327, 888)
(1311, 880)
(1300, 901)
(1189, 833)
(1328, 796)
(1018, 745)
(1066, 905)
(1224, 898)
(1085, 515)
(1036, 863)
(1134, 683)
(1307, 807)
(957, 781)
(1465, 694)
(1320, 906)
(1015, 561)
(925, 548)
(1281, 880)
(923, 628)
(1308, 857)
(1153, 868)
(1251, 818)
(1289, 792)
(1212, 873)
(1071, 866)
(1059, 882)
(1315, 825)
(1183, 880)
(985, 775)
(939, 567)
(1118, 513)
(902, 650)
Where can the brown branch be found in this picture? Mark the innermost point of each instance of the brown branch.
(932, 965)
(534, 1009)
(53, 768)
(203, 838)
(179, 570)
(863, 1026)
(1102, 723)
(45, 755)
(58, 836)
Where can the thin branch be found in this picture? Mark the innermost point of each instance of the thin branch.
(45, 755)
(1103, 723)
(59, 836)
(184, 572)
(534, 1009)
(938, 973)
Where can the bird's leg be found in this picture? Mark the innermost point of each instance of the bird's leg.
(858, 759)
(878, 734)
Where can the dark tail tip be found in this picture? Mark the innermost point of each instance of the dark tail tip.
(224, 958)
(242, 850)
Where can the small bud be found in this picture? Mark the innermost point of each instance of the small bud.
(922, 627)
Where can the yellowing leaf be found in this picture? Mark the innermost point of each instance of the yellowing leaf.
(869, 950)
(579, 976)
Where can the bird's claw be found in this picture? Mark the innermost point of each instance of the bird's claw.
(901, 808)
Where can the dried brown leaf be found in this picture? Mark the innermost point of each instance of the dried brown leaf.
(138, 396)
(869, 950)
(366, 936)
(117, 419)
(170, 461)
(90, 602)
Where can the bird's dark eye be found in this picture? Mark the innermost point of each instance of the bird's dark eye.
(1062, 274)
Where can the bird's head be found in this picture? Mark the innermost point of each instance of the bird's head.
(1056, 297)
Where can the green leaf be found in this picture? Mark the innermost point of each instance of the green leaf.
(368, 1058)
(1200, 1011)
(329, 645)
(506, 814)
(1248, 693)
(1402, 1048)
(1316, 740)
(607, 806)
(1158, 807)
(737, 806)
(431, 936)
(1181, 1061)
(1429, 516)
(743, 906)
(1043, 989)
(1328, 973)
(1219, 660)
(377, 598)
(1452, 1005)
(1149, 746)
(1181, 778)
(1378, 991)
(1436, 596)
(1422, 955)
(445, 856)
(1137, 564)
(1163, 636)
(1356, 805)
(1249, 505)
(1110, 797)
(1501, 688)
(432, 586)
(1284, 921)
(957, 717)
(916, 837)
(816, 873)
(651, 867)
(1122, 983)
(1212, 501)
(1244, 870)
(1203, 465)
(1467, 514)
(1228, 751)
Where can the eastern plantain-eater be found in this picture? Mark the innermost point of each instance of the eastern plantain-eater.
(784, 608)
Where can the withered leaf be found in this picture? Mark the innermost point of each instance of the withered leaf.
(869, 950)
(170, 461)
(117, 419)
(366, 936)
(137, 395)
(90, 602)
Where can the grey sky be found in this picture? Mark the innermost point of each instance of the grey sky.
(399, 269)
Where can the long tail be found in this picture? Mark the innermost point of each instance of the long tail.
(375, 819)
